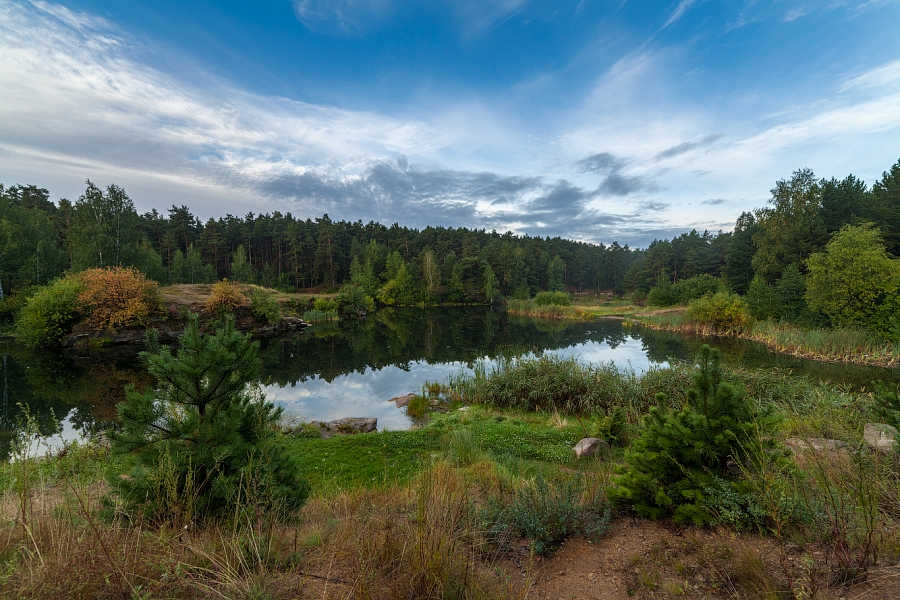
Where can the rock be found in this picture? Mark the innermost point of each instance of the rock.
(590, 446)
(402, 401)
(292, 323)
(880, 436)
(346, 426)
(817, 444)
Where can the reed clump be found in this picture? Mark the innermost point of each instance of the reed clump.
(839, 345)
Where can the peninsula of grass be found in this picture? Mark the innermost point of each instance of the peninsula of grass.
(834, 345)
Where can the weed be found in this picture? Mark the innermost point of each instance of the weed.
(418, 407)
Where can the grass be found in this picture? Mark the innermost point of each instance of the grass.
(838, 345)
(429, 513)
(579, 310)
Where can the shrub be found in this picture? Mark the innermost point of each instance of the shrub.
(722, 312)
(417, 407)
(669, 294)
(224, 297)
(117, 297)
(325, 304)
(50, 313)
(552, 298)
(353, 299)
(10, 306)
(203, 436)
(662, 294)
(681, 455)
(548, 513)
(264, 306)
(545, 382)
(697, 287)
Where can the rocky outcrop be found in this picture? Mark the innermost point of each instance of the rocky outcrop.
(403, 400)
(346, 426)
(286, 324)
(590, 447)
(880, 436)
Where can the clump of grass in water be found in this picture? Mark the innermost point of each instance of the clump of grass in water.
(418, 407)
(542, 382)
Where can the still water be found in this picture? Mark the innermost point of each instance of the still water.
(352, 368)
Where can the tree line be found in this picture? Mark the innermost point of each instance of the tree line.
(821, 252)
(768, 250)
(40, 239)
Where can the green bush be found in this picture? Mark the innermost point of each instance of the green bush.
(662, 294)
(552, 299)
(545, 382)
(202, 441)
(264, 306)
(325, 304)
(667, 293)
(417, 407)
(353, 299)
(11, 305)
(723, 312)
(50, 313)
(548, 513)
(682, 454)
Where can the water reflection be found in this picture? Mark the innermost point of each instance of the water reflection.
(352, 368)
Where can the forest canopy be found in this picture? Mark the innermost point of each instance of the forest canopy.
(767, 257)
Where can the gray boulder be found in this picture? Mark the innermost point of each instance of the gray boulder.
(880, 436)
(590, 447)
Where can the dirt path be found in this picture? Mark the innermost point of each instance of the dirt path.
(645, 559)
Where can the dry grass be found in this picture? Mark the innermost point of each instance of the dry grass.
(416, 541)
(823, 345)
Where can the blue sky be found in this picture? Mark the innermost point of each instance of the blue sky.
(593, 120)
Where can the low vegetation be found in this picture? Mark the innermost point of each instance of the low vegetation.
(205, 502)
(432, 512)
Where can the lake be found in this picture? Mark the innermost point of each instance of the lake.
(352, 368)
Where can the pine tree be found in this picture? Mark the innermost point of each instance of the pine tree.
(682, 454)
(202, 432)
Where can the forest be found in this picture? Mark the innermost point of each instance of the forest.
(766, 258)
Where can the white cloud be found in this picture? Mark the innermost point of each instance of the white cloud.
(794, 14)
(679, 11)
(76, 20)
(885, 76)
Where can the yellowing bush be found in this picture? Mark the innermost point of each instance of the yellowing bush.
(721, 312)
(117, 297)
(225, 296)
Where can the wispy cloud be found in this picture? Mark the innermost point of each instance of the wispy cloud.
(679, 12)
(342, 17)
(685, 147)
(76, 20)
(796, 13)
(358, 17)
(713, 201)
(885, 76)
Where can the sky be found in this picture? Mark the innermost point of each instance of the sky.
(592, 120)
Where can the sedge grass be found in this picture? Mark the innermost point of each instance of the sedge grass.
(838, 345)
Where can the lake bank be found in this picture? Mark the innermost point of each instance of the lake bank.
(481, 500)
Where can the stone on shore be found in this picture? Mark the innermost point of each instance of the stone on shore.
(346, 426)
(402, 401)
(590, 447)
(880, 436)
